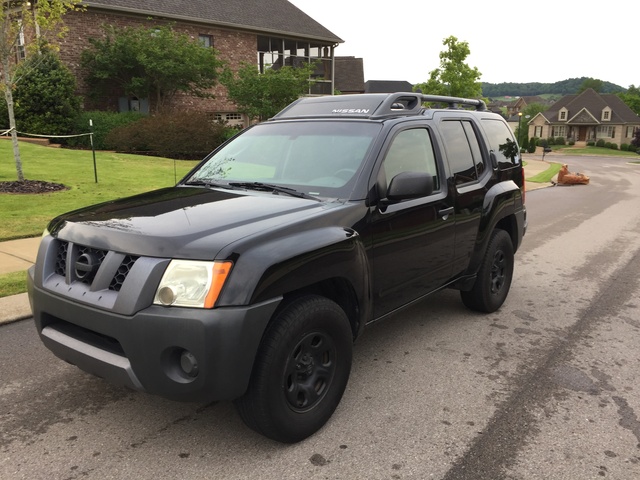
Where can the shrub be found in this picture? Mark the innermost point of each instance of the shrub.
(532, 145)
(551, 141)
(180, 135)
(613, 146)
(45, 100)
(560, 141)
(624, 147)
(600, 143)
(103, 123)
(591, 143)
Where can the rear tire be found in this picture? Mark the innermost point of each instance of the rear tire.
(494, 277)
(300, 372)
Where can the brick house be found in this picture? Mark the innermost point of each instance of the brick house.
(588, 116)
(265, 32)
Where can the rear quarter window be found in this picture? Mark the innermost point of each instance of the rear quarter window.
(502, 143)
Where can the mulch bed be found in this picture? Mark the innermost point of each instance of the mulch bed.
(31, 187)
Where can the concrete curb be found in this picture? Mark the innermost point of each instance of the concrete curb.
(14, 308)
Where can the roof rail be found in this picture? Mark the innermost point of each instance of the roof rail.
(454, 102)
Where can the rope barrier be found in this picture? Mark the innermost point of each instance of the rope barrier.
(46, 136)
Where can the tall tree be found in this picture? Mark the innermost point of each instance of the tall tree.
(262, 95)
(20, 19)
(149, 62)
(454, 77)
(632, 98)
(594, 83)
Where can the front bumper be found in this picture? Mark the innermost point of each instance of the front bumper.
(144, 351)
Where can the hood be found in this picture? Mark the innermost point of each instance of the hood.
(181, 222)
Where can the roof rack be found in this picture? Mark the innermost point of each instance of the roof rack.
(370, 105)
(454, 102)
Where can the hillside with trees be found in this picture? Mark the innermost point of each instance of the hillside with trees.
(564, 87)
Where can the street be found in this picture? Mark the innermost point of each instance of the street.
(547, 388)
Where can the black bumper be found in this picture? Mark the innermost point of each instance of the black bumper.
(144, 351)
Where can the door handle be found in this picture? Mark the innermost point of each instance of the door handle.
(445, 212)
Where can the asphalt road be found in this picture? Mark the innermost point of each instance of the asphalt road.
(546, 388)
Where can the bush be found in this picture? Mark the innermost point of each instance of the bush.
(613, 146)
(560, 141)
(103, 123)
(624, 147)
(532, 145)
(180, 135)
(591, 143)
(600, 143)
(44, 98)
(551, 141)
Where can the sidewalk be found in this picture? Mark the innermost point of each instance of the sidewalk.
(19, 255)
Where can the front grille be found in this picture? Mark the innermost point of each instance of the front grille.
(123, 270)
(79, 263)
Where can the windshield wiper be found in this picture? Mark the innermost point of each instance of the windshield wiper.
(209, 183)
(268, 187)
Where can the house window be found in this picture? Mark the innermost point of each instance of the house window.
(563, 115)
(630, 131)
(537, 131)
(606, 114)
(558, 131)
(232, 118)
(606, 131)
(205, 40)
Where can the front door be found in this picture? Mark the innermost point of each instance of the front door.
(412, 240)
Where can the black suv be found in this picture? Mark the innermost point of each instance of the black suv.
(252, 277)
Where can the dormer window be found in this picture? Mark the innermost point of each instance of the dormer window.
(562, 114)
(606, 114)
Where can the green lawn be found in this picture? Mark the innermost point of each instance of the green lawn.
(600, 151)
(119, 175)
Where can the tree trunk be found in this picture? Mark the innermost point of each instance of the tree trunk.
(8, 95)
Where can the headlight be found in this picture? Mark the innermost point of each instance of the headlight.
(188, 283)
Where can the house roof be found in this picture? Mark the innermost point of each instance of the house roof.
(268, 16)
(387, 86)
(349, 76)
(590, 104)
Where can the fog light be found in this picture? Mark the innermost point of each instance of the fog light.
(189, 364)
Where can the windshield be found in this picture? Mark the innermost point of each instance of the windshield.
(316, 158)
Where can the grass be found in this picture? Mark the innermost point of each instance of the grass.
(13, 283)
(119, 175)
(600, 151)
(547, 175)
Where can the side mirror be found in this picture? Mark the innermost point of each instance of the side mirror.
(408, 185)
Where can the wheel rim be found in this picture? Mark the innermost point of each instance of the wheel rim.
(498, 272)
(309, 371)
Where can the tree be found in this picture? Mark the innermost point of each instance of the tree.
(454, 77)
(17, 19)
(262, 95)
(149, 62)
(632, 98)
(593, 83)
(45, 99)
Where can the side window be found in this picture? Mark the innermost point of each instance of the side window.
(463, 150)
(411, 151)
(502, 143)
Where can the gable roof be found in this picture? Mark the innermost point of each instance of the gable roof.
(592, 103)
(267, 16)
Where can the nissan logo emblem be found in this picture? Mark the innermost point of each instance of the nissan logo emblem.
(86, 266)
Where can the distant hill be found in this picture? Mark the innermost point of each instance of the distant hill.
(564, 87)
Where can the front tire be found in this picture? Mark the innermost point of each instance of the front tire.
(300, 372)
(493, 282)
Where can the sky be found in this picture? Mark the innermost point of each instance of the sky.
(544, 41)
